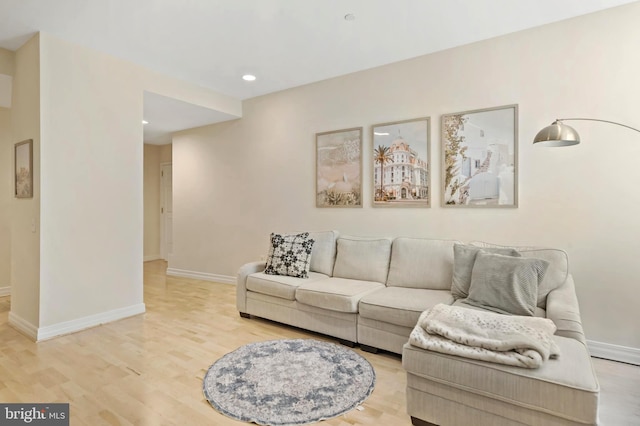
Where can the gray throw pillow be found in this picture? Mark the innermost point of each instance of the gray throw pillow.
(289, 255)
(506, 284)
(464, 257)
(556, 274)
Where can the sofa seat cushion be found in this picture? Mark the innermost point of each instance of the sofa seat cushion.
(279, 285)
(401, 305)
(565, 387)
(335, 294)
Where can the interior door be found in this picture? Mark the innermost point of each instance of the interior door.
(166, 211)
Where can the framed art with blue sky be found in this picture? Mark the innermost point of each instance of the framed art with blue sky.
(480, 158)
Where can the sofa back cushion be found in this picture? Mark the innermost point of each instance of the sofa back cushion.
(365, 259)
(556, 274)
(323, 254)
(421, 263)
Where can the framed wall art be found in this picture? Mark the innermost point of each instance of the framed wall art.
(401, 163)
(23, 166)
(339, 168)
(480, 158)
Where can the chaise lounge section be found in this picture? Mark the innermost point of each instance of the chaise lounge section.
(451, 390)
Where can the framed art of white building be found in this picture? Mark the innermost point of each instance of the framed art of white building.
(480, 158)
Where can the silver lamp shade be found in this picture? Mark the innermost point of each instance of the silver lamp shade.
(557, 134)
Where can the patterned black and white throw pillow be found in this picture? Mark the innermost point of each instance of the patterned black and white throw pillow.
(289, 255)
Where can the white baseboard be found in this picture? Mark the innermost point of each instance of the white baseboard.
(83, 323)
(5, 291)
(151, 257)
(23, 326)
(614, 352)
(223, 279)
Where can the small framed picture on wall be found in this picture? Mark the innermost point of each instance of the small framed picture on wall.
(23, 166)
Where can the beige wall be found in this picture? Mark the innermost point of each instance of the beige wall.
(83, 264)
(7, 62)
(7, 66)
(25, 213)
(92, 212)
(6, 192)
(154, 156)
(236, 182)
(166, 153)
(151, 202)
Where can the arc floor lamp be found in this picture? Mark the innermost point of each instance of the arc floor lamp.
(560, 134)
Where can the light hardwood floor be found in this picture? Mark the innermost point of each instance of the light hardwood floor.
(148, 370)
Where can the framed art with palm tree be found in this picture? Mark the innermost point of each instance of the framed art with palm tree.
(401, 163)
(339, 168)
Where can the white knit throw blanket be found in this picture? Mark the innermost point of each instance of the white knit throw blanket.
(512, 340)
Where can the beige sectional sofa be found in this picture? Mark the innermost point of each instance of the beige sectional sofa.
(371, 291)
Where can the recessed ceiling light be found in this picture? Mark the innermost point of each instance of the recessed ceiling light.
(249, 77)
(381, 133)
(349, 17)
(145, 122)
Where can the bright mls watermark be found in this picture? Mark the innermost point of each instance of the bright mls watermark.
(34, 414)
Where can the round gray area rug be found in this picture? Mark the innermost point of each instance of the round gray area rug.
(288, 382)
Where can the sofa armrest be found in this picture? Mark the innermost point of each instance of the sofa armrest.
(241, 282)
(563, 310)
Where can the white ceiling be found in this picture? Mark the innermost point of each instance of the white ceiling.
(285, 43)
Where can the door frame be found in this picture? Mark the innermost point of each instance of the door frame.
(163, 238)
